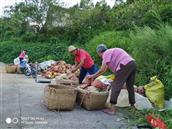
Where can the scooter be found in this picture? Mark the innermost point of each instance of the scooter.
(27, 68)
(30, 69)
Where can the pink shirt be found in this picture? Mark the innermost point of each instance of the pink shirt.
(82, 54)
(114, 57)
(22, 55)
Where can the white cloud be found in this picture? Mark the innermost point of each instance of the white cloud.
(69, 3)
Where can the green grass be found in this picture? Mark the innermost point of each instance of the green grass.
(139, 117)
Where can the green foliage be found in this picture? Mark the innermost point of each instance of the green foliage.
(151, 49)
(87, 23)
(111, 39)
(139, 116)
(37, 51)
(140, 13)
(86, 26)
(29, 37)
(166, 13)
(152, 19)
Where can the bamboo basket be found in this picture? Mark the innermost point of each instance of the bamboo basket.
(67, 82)
(58, 97)
(19, 70)
(10, 68)
(91, 100)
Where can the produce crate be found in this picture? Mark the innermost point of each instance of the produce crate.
(58, 97)
(10, 68)
(91, 100)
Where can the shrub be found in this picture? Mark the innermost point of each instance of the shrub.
(37, 51)
(140, 13)
(29, 36)
(151, 49)
(111, 39)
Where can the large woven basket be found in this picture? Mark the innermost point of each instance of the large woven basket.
(68, 82)
(19, 70)
(11, 68)
(91, 100)
(59, 97)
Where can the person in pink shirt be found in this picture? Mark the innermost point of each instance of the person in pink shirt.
(124, 68)
(22, 55)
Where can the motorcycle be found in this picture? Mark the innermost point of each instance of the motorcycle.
(28, 69)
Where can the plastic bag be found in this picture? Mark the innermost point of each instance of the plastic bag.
(106, 79)
(44, 65)
(98, 84)
(168, 104)
(16, 61)
(155, 92)
(26, 58)
(141, 101)
(110, 77)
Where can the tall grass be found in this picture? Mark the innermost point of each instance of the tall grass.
(152, 51)
(37, 51)
(111, 39)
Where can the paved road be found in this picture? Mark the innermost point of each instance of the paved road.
(21, 102)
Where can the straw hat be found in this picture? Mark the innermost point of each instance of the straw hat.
(71, 48)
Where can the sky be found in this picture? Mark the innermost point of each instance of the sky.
(4, 3)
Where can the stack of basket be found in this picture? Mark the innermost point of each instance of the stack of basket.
(58, 97)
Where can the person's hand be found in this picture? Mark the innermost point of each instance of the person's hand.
(73, 70)
(90, 78)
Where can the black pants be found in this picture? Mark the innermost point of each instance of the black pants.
(125, 74)
(20, 59)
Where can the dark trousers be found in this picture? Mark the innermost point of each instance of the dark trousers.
(20, 59)
(125, 74)
(83, 72)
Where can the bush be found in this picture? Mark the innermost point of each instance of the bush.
(29, 36)
(152, 51)
(37, 51)
(140, 13)
(166, 13)
(111, 39)
(152, 19)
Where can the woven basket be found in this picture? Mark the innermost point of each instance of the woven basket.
(59, 97)
(91, 100)
(67, 82)
(19, 70)
(11, 68)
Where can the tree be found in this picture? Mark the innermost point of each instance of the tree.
(86, 4)
(130, 1)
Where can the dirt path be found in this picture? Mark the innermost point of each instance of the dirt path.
(21, 102)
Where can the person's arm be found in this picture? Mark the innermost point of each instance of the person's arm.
(77, 66)
(102, 70)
